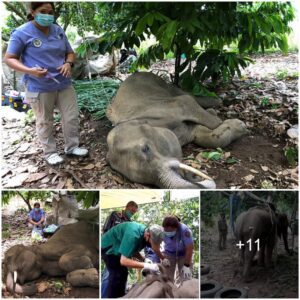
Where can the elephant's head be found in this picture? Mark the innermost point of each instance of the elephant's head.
(21, 265)
(149, 155)
(282, 229)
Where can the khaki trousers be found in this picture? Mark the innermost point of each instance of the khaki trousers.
(43, 105)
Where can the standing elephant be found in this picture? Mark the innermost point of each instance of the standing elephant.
(72, 251)
(264, 224)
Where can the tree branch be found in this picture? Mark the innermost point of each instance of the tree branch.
(12, 8)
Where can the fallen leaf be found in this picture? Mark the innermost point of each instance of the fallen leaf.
(88, 167)
(35, 177)
(249, 177)
(42, 287)
(265, 168)
(24, 147)
(118, 179)
(61, 184)
(69, 184)
(16, 181)
(226, 155)
(254, 171)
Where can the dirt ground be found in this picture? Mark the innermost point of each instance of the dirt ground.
(265, 98)
(15, 231)
(279, 281)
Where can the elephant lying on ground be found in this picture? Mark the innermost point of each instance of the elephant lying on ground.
(160, 286)
(263, 224)
(153, 120)
(72, 251)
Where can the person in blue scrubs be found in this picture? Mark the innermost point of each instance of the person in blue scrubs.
(178, 247)
(40, 50)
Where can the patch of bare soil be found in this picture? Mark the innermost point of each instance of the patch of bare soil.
(279, 281)
(15, 231)
(265, 98)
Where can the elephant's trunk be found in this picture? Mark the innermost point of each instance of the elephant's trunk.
(170, 178)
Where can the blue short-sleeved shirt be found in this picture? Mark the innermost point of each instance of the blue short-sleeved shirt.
(176, 245)
(37, 49)
(36, 216)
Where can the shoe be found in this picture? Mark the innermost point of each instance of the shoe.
(54, 159)
(78, 151)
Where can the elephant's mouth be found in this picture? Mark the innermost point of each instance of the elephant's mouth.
(15, 288)
(174, 175)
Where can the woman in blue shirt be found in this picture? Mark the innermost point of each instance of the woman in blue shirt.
(178, 247)
(40, 49)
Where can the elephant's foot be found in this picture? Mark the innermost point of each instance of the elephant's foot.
(222, 136)
(84, 277)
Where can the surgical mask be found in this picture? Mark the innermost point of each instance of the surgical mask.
(170, 234)
(44, 19)
(36, 209)
(128, 214)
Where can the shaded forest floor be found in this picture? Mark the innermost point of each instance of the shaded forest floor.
(265, 98)
(15, 231)
(280, 281)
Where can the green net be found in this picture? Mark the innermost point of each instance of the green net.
(95, 95)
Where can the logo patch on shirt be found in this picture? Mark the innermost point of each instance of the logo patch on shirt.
(187, 234)
(60, 36)
(37, 43)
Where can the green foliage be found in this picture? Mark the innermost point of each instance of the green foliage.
(89, 198)
(291, 154)
(27, 196)
(265, 101)
(213, 155)
(94, 96)
(181, 28)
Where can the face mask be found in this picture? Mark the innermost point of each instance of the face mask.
(170, 234)
(128, 214)
(36, 209)
(44, 20)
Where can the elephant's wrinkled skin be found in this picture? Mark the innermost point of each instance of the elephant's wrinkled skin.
(73, 251)
(153, 120)
(263, 224)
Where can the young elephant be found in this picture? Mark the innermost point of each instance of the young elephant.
(153, 120)
(263, 224)
(72, 251)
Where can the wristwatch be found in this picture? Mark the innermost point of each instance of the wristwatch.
(70, 62)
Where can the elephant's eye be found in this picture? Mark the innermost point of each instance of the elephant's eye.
(146, 149)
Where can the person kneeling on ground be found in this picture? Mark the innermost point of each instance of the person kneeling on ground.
(120, 244)
(37, 216)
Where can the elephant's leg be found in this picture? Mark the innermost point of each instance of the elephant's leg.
(268, 255)
(222, 136)
(248, 257)
(261, 253)
(84, 277)
(75, 260)
(220, 241)
(242, 256)
(52, 268)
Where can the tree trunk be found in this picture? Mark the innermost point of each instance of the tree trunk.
(177, 64)
(27, 201)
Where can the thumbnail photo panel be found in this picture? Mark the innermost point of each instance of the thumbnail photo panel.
(150, 243)
(249, 244)
(50, 244)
